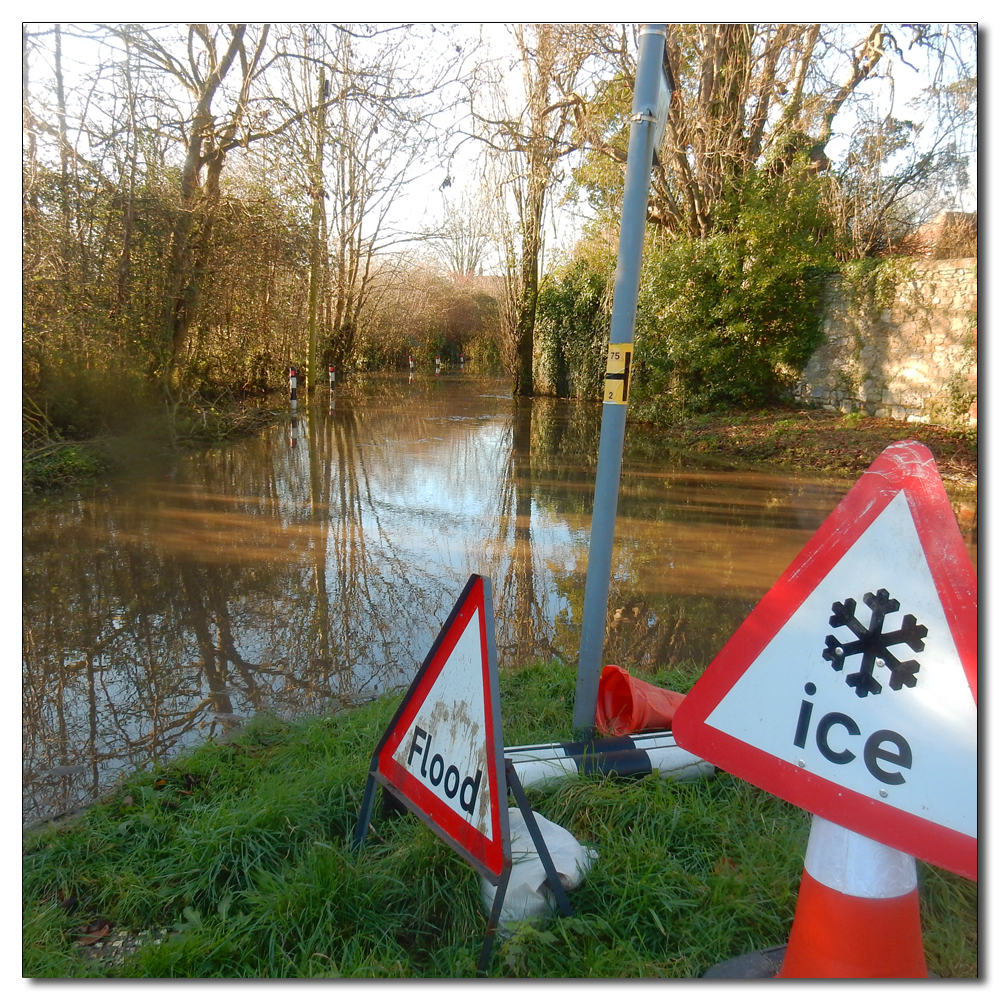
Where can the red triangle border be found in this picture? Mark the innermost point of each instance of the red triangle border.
(908, 467)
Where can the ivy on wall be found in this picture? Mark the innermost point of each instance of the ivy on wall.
(901, 340)
(571, 331)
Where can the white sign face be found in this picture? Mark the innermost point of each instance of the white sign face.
(897, 733)
(444, 747)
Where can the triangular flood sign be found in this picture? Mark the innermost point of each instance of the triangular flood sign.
(443, 751)
(851, 689)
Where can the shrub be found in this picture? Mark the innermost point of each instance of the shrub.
(731, 319)
(59, 467)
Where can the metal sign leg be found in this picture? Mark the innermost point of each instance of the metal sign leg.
(514, 784)
(365, 818)
(494, 922)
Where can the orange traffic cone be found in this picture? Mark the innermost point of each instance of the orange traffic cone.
(626, 705)
(858, 913)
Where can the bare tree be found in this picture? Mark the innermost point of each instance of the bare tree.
(379, 146)
(208, 133)
(151, 150)
(29, 162)
(527, 136)
(373, 133)
(466, 238)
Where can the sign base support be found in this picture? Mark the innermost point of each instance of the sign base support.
(764, 964)
(551, 875)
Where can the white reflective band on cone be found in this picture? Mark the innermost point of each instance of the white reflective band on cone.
(856, 866)
(654, 739)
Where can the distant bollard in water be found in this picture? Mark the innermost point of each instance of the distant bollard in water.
(333, 378)
(293, 390)
(411, 362)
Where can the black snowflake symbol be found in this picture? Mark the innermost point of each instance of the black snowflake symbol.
(873, 644)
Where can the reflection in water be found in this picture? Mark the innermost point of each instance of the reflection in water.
(312, 567)
(521, 620)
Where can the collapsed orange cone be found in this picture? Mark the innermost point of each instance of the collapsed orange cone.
(858, 912)
(626, 705)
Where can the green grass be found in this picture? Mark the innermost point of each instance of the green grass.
(240, 852)
(59, 467)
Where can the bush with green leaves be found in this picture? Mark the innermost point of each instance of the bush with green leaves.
(730, 319)
(58, 466)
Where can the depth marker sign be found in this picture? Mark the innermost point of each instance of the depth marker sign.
(618, 374)
(851, 689)
(442, 754)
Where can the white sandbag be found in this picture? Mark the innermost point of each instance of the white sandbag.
(526, 895)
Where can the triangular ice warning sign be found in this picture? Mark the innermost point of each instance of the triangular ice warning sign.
(443, 751)
(851, 689)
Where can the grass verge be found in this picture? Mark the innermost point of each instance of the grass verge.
(831, 443)
(58, 467)
(233, 861)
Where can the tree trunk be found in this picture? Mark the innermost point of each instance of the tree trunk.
(199, 203)
(63, 146)
(318, 210)
(525, 331)
(128, 211)
(30, 209)
(192, 250)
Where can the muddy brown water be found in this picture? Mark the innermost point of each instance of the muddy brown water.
(312, 567)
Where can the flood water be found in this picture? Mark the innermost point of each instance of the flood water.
(312, 567)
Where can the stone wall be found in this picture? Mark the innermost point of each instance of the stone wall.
(904, 348)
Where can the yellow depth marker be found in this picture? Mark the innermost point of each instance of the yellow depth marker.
(618, 373)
